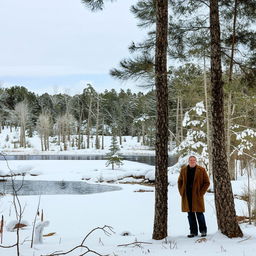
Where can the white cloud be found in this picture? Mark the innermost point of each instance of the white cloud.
(59, 43)
(54, 37)
(38, 70)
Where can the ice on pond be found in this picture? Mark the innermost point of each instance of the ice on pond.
(27, 187)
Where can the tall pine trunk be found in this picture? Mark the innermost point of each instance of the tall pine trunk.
(161, 185)
(224, 200)
(209, 134)
(229, 114)
(230, 111)
(233, 42)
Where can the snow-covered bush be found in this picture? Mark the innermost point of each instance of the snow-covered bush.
(14, 224)
(243, 140)
(39, 231)
(195, 142)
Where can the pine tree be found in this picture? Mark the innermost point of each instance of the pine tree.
(160, 45)
(224, 200)
(113, 157)
(161, 184)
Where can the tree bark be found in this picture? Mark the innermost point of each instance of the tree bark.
(120, 137)
(79, 135)
(177, 121)
(229, 124)
(233, 42)
(181, 120)
(88, 127)
(102, 136)
(143, 133)
(97, 140)
(224, 200)
(230, 93)
(161, 183)
(209, 134)
(42, 144)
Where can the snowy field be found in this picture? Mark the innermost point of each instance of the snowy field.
(127, 211)
(9, 145)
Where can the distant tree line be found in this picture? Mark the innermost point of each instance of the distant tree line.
(126, 113)
(89, 113)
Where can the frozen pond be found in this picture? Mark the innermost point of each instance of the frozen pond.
(54, 187)
(66, 187)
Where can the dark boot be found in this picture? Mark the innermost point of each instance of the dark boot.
(191, 235)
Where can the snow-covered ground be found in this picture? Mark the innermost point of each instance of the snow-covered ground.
(127, 211)
(9, 145)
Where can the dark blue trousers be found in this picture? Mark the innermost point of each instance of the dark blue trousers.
(193, 218)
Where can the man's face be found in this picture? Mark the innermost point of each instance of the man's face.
(192, 162)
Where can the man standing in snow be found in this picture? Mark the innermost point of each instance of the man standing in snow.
(193, 183)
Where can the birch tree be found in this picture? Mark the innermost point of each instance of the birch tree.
(64, 127)
(97, 140)
(44, 129)
(22, 115)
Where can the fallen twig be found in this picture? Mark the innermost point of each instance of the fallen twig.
(134, 243)
(247, 238)
(107, 231)
(8, 246)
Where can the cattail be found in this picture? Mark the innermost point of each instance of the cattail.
(2, 228)
(42, 215)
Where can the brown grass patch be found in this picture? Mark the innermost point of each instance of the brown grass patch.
(49, 234)
(143, 190)
(244, 219)
(20, 225)
(201, 240)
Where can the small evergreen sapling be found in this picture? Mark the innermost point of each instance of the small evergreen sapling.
(113, 157)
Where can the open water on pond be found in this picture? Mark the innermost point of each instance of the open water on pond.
(146, 159)
(28, 187)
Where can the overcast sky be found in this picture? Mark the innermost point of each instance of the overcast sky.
(56, 45)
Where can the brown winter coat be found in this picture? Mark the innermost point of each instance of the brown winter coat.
(200, 186)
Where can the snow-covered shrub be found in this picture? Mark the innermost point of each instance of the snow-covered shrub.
(14, 224)
(243, 140)
(195, 142)
(39, 231)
